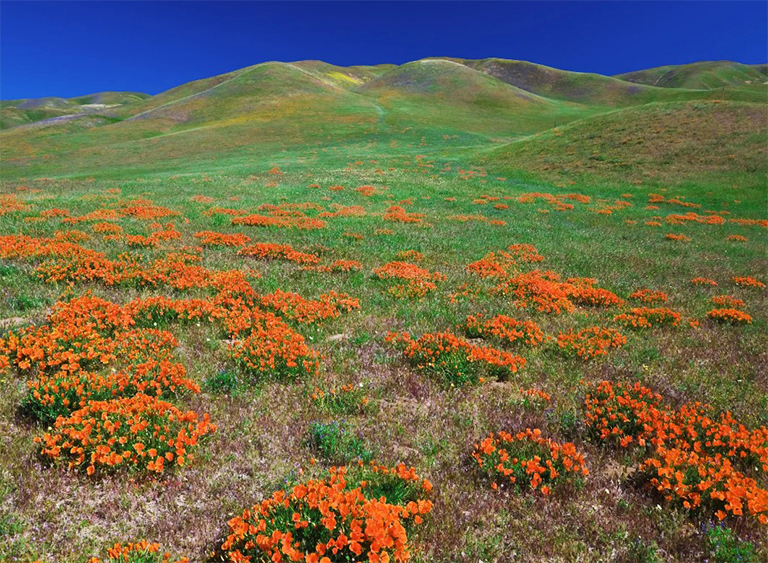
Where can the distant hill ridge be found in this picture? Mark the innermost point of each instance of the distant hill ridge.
(424, 77)
(274, 106)
(702, 75)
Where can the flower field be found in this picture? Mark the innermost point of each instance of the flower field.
(380, 354)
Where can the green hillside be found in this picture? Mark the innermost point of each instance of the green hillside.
(310, 104)
(29, 110)
(440, 93)
(665, 143)
(591, 89)
(704, 75)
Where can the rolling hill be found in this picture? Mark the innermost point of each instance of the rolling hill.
(588, 88)
(662, 143)
(705, 75)
(29, 110)
(277, 106)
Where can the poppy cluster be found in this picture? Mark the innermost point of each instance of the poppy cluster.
(337, 266)
(729, 316)
(503, 263)
(535, 395)
(556, 201)
(280, 221)
(271, 251)
(590, 342)
(648, 317)
(527, 460)
(139, 432)
(416, 281)
(455, 360)
(546, 292)
(694, 458)
(307, 311)
(727, 301)
(271, 349)
(210, 238)
(137, 552)
(95, 354)
(703, 281)
(503, 328)
(649, 296)
(100, 381)
(748, 281)
(398, 214)
(681, 238)
(329, 520)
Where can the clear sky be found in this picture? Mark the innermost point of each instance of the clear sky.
(76, 48)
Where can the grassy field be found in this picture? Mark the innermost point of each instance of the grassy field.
(354, 178)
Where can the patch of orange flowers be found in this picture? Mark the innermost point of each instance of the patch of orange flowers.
(211, 238)
(649, 296)
(268, 250)
(527, 460)
(646, 317)
(748, 281)
(693, 458)
(703, 281)
(417, 281)
(338, 266)
(727, 301)
(730, 316)
(681, 238)
(504, 328)
(398, 214)
(590, 342)
(281, 222)
(138, 431)
(138, 552)
(547, 293)
(328, 520)
(455, 360)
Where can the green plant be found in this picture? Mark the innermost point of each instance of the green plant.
(642, 551)
(23, 303)
(348, 399)
(7, 269)
(335, 443)
(223, 382)
(725, 547)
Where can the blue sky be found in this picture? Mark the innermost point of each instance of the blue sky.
(75, 48)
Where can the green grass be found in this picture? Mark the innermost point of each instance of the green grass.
(687, 145)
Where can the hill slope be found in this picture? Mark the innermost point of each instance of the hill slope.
(307, 104)
(587, 88)
(29, 110)
(288, 104)
(659, 143)
(704, 75)
(440, 92)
